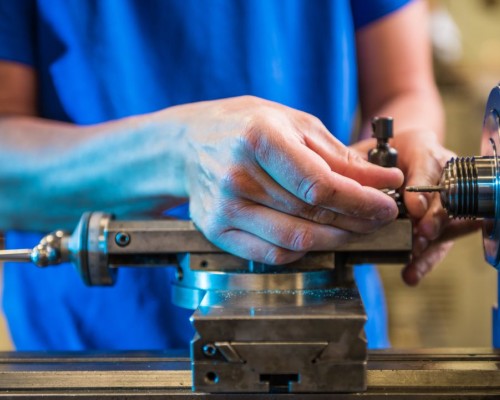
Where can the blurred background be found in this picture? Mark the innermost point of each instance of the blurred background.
(452, 307)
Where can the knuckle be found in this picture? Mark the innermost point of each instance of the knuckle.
(311, 122)
(273, 256)
(212, 229)
(256, 136)
(212, 225)
(315, 121)
(352, 158)
(276, 256)
(299, 239)
(221, 217)
(251, 133)
(307, 120)
(312, 190)
(233, 180)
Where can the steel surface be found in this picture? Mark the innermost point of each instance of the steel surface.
(167, 236)
(420, 374)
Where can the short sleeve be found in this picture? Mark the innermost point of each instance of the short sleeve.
(17, 30)
(366, 11)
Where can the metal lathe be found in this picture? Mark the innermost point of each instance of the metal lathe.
(263, 331)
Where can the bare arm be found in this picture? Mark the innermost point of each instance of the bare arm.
(265, 182)
(51, 171)
(395, 73)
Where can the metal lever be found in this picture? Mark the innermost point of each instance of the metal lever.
(16, 255)
(100, 244)
(51, 250)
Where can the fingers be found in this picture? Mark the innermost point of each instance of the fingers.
(426, 171)
(436, 225)
(351, 164)
(261, 189)
(269, 183)
(434, 221)
(265, 235)
(421, 265)
(306, 175)
(285, 231)
(422, 168)
(362, 147)
(426, 253)
(434, 233)
(253, 248)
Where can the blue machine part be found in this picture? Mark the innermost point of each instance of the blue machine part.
(490, 145)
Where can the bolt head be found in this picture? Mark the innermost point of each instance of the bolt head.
(122, 239)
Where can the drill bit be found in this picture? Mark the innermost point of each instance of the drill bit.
(431, 188)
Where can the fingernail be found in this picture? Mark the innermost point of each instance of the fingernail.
(384, 214)
(411, 276)
(423, 200)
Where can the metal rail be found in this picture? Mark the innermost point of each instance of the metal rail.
(420, 374)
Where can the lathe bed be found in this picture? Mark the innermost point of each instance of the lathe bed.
(391, 374)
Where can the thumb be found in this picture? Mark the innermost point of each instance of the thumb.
(423, 171)
(422, 160)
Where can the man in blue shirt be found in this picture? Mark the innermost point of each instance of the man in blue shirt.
(132, 107)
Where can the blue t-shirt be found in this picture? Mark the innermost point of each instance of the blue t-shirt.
(101, 60)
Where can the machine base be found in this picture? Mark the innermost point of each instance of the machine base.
(420, 374)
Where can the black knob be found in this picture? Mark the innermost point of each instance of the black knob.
(382, 127)
(383, 155)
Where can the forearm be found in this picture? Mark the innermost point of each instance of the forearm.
(418, 110)
(395, 73)
(51, 172)
(265, 182)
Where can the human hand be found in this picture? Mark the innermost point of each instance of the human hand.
(434, 231)
(421, 158)
(270, 183)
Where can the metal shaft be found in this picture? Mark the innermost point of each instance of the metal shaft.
(467, 187)
(430, 188)
(16, 255)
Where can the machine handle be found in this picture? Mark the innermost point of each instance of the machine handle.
(16, 255)
(52, 250)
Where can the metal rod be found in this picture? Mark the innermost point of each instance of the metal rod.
(430, 188)
(16, 255)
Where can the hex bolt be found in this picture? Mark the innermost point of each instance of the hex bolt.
(122, 239)
(209, 350)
